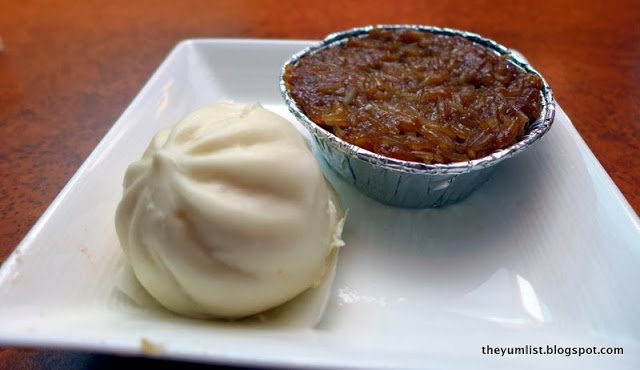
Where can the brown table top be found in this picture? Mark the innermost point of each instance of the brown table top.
(69, 69)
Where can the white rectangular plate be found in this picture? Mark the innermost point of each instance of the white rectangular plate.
(546, 253)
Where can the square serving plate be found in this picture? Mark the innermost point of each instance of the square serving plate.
(546, 253)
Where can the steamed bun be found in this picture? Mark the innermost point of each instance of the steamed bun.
(227, 214)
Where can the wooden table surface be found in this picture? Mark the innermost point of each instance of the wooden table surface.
(70, 68)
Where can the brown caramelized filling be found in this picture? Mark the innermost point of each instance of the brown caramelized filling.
(417, 96)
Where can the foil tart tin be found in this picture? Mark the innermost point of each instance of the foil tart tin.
(411, 184)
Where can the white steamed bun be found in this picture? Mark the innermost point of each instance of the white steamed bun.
(227, 214)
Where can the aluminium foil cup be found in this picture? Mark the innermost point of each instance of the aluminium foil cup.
(411, 184)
